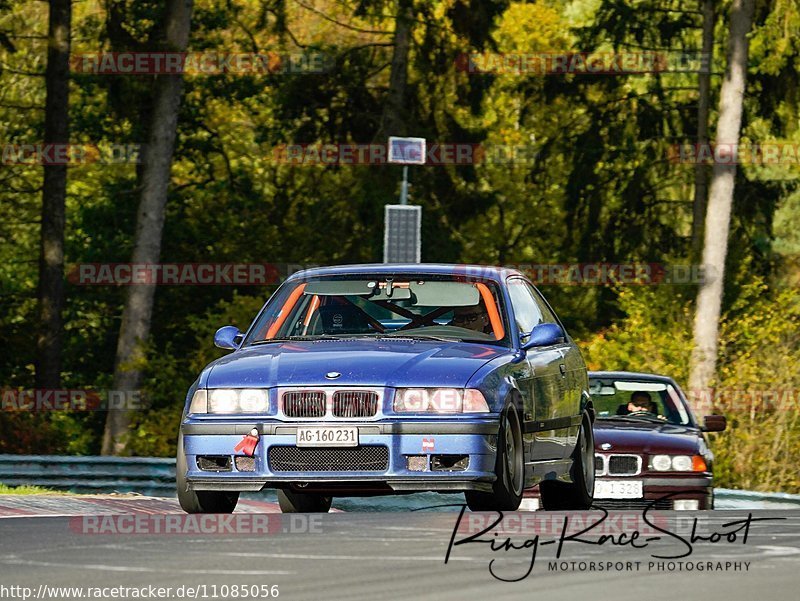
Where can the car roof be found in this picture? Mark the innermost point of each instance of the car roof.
(633, 375)
(488, 272)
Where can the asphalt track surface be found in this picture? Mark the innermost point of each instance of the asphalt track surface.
(88, 542)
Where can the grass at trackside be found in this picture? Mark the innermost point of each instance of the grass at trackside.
(28, 490)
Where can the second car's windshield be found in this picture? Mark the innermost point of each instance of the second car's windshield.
(380, 306)
(628, 400)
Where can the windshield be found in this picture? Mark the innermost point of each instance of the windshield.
(400, 306)
(630, 400)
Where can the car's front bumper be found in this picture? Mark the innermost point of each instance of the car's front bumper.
(475, 438)
(658, 492)
(667, 492)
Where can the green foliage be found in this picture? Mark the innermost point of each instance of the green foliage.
(594, 185)
(758, 386)
(759, 390)
(28, 490)
(654, 334)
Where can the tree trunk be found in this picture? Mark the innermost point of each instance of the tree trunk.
(393, 122)
(54, 191)
(718, 215)
(703, 89)
(156, 167)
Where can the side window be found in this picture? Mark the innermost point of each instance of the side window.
(526, 311)
(547, 315)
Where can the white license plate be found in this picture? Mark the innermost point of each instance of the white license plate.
(327, 436)
(618, 489)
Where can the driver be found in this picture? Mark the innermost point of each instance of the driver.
(472, 318)
(641, 402)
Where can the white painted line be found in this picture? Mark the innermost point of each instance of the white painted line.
(776, 551)
(39, 515)
(110, 568)
(439, 558)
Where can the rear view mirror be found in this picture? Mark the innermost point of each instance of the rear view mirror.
(601, 388)
(449, 294)
(714, 423)
(228, 337)
(371, 289)
(544, 334)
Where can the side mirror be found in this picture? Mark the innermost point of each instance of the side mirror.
(544, 334)
(228, 337)
(714, 423)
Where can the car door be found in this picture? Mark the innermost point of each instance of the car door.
(543, 384)
(572, 370)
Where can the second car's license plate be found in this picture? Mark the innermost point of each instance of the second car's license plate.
(618, 489)
(327, 436)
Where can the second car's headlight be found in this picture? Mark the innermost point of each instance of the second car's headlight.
(682, 463)
(678, 463)
(440, 400)
(230, 401)
(661, 463)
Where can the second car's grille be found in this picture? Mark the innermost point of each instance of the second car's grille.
(355, 403)
(350, 459)
(624, 465)
(598, 463)
(304, 403)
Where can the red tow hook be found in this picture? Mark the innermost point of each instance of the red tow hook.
(248, 444)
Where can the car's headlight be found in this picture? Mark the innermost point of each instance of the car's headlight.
(682, 463)
(661, 463)
(440, 400)
(253, 400)
(199, 402)
(678, 463)
(223, 400)
(230, 400)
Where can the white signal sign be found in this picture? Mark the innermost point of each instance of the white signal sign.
(407, 151)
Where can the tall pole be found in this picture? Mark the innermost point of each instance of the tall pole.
(404, 187)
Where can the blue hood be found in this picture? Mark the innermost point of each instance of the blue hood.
(361, 362)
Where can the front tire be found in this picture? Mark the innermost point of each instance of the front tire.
(298, 502)
(200, 501)
(578, 494)
(506, 492)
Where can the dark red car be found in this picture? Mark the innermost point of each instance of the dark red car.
(648, 444)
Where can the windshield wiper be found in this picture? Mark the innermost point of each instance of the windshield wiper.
(636, 418)
(296, 339)
(422, 337)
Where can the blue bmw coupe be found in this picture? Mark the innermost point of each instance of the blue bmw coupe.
(384, 379)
